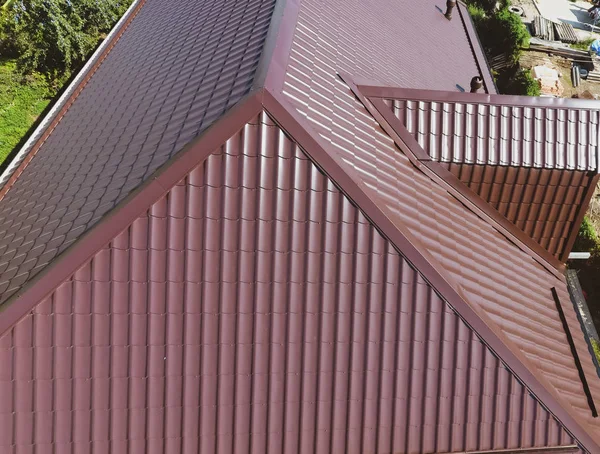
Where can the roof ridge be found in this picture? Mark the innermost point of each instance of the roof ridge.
(419, 256)
(63, 104)
(453, 97)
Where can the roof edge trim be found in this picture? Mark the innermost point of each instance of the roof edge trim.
(474, 41)
(119, 218)
(479, 322)
(418, 94)
(62, 105)
(406, 142)
(541, 450)
(581, 210)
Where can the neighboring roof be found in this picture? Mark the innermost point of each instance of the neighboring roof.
(500, 287)
(175, 69)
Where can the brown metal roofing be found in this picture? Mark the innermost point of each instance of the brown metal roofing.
(254, 308)
(544, 203)
(500, 290)
(174, 70)
(505, 284)
(534, 163)
(520, 131)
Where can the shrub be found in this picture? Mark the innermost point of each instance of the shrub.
(587, 238)
(519, 82)
(500, 32)
(54, 37)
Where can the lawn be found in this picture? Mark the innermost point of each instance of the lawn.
(20, 105)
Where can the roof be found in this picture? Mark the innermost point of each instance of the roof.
(519, 131)
(103, 147)
(163, 349)
(498, 283)
(534, 161)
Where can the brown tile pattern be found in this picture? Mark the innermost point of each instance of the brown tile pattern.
(255, 309)
(528, 163)
(496, 277)
(177, 68)
(488, 133)
(541, 202)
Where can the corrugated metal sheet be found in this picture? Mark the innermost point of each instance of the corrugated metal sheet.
(496, 277)
(542, 202)
(255, 309)
(516, 135)
(176, 68)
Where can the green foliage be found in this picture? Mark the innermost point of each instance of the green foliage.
(514, 81)
(487, 6)
(583, 45)
(20, 104)
(596, 347)
(501, 32)
(587, 238)
(54, 37)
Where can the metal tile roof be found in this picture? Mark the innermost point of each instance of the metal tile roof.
(176, 69)
(544, 203)
(493, 130)
(254, 308)
(533, 162)
(504, 283)
(500, 287)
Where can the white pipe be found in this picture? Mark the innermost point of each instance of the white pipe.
(579, 255)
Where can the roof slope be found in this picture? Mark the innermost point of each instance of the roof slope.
(506, 284)
(175, 70)
(533, 160)
(202, 355)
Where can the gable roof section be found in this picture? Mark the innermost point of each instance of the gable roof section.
(391, 367)
(534, 160)
(175, 69)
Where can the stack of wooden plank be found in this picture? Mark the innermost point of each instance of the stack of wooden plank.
(543, 28)
(565, 32)
(580, 57)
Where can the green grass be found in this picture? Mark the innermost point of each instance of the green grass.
(583, 45)
(21, 102)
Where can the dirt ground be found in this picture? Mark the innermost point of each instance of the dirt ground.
(563, 66)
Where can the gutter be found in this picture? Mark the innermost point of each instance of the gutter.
(61, 106)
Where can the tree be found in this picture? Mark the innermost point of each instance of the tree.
(55, 37)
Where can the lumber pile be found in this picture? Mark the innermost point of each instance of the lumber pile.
(565, 33)
(581, 57)
(543, 28)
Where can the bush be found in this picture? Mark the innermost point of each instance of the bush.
(518, 82)
(55, 37)
(587, 238)
(500, 32)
